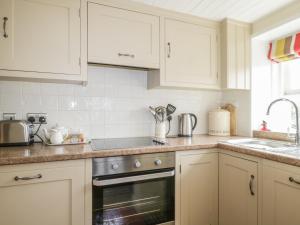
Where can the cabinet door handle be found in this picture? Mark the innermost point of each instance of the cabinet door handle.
(5, 19)
(38, 176)
(169, 50)
(251, 185)
(126, 55)
(291, 179)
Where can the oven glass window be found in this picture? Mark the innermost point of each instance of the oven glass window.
(139, 203)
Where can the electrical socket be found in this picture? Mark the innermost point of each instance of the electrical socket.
(37, 117)
(9, 116)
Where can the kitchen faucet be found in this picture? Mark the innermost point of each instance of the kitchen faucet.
(296, 111)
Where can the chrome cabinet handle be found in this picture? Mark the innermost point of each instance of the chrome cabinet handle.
(169, 50)
(5, 19)
(291, 179)
(38, 176)
(126, 55)
(251, 185)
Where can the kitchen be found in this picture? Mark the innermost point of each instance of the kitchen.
(150, 112)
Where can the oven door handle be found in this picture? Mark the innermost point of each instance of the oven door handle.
(122, 180)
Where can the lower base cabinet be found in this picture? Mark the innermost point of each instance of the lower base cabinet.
(197, 189)
(42, 194)
(238, 198)
(281, 195)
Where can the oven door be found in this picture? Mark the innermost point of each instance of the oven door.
(140, 199)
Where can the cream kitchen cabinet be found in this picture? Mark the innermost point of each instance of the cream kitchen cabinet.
(197, 189)
(122, 37)
(190, 56)
(236, 55)
(45, 193)
(238, 197)
(281, 194)
(40, 39)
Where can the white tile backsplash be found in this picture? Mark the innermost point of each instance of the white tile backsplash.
(113, 104)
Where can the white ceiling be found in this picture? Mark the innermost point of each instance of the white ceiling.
(242, 10)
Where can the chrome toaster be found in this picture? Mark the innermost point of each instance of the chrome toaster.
(15, 132)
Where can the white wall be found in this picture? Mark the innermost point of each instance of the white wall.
(114, 104)
(262, 81)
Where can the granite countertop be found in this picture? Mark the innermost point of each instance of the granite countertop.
(291, 158)
(38, 153)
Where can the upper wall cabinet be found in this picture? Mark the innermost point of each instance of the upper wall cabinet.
(122, 37)
(236, 55)
(40, 39)
(190, 56)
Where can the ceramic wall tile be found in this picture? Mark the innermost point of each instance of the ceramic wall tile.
(113, 104)
(68, 103)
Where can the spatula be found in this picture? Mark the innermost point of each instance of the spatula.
(170, 109)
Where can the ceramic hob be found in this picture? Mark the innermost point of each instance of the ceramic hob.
(120, 143)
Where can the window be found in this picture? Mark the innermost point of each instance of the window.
(290, 73)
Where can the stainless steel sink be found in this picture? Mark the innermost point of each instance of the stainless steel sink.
(268, 145)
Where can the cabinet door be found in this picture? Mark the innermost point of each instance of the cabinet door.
(122, 37)
(238, 55)
(237, 191)
(191, 54)
(199, 189)
(54, 197)
(42, 36)
(281, 196)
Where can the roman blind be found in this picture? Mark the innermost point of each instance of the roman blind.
(285, 49)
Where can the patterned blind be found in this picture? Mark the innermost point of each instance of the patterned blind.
(285, 49)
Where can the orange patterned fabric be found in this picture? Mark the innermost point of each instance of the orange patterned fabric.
(285, 49)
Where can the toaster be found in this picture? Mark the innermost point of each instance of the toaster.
(16, 133)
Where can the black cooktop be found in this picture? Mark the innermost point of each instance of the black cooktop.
(118, 143)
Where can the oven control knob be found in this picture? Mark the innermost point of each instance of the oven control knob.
(137, 164)
(158, 162)
(115, 166)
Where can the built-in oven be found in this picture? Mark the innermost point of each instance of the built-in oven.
(134, 190)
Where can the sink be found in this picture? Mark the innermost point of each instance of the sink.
(268, 145)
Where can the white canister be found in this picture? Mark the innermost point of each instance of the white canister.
(219, 122)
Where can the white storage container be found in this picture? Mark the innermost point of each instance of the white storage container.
(219, 122)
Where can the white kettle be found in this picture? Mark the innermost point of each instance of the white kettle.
(56, 135)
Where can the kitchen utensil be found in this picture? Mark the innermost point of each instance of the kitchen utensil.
(161, 113)
(56, 135)
(233, 122)
(16, 132)
(186, 124)
(219, 122)
(153, 112)
(170, 109)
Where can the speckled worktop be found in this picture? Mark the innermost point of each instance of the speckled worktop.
(38, 153)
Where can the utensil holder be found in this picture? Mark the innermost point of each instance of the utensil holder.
(161, 130)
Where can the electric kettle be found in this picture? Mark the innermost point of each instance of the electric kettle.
(186, 124)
